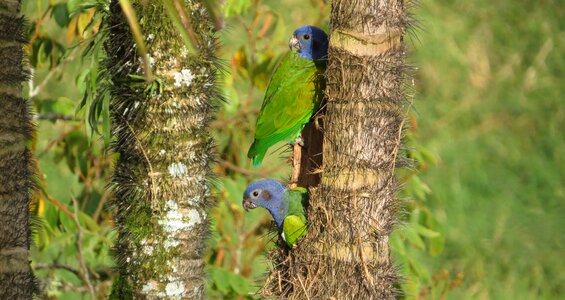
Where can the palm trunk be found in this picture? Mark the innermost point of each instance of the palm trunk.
(16, 279)
(346, 253)
(161, 178)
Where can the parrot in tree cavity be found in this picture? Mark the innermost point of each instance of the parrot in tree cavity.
(285, 205)
(294, 93)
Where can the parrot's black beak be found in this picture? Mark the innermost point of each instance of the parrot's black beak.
(247, 204)
(294, 43)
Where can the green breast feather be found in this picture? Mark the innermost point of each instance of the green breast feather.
(294, 94)
(294, 224)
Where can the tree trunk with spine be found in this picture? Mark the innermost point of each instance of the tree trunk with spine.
(16, 278)
(161, 131)
(352, 213)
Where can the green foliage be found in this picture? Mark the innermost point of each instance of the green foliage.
(69, 244)
(228, 284)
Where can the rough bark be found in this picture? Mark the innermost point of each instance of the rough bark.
(16, 279)
(351, 215)
(161, 178)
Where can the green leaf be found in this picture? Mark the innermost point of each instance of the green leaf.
(240, 284)
(397, 244)
(44, 52)
(61, 15)
(62, 105)
(68, 276)
(41, 236)
(70, 249)
(74, 5)
(106, 120)
(67, 222)
(51, 215)
(413, 237)
(426, 231)
(420, 270)
(88, 222)
(34, 56)
(236, 7)
(220, 279)
(436, 245)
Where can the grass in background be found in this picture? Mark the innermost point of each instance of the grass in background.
(492, 106)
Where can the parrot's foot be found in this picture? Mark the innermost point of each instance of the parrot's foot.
(299, 141)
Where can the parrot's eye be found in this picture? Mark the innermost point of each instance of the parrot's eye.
(255, 193)
(306, 36)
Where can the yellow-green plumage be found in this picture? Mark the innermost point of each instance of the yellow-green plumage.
(294, 224)
(294, 94)
(287, 207)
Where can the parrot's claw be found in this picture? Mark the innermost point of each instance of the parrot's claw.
(299, 140)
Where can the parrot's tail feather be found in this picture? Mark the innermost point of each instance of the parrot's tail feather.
(252, 152)
(256, 154)
(258, 159)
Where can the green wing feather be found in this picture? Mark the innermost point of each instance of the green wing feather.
(294, 228)
(294, 94)
(294, 224)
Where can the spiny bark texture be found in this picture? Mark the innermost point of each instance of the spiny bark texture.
(16, 279)
(161, 135)
(346, 253)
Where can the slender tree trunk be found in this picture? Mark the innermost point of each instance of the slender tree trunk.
(16, 279)
(346, 253)
(161, 178)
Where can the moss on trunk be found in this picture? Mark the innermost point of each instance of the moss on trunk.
(161, 178)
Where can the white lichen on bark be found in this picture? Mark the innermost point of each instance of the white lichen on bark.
(183, 78)
(162, 174)
(177, 169)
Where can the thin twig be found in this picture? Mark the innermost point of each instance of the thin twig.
(303, 287)
(58, 204)
(363, 261)
(34, 91)
(84, 270)
(37, 29)
(100, 206)
(56, 141)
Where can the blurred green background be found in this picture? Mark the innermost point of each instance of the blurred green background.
(492, 107)
(486, 197)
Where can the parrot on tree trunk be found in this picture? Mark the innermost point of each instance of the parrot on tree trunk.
(285, 205)
(294, 93)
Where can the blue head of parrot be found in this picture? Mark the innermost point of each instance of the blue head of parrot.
(268, 194)
(310, 41)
